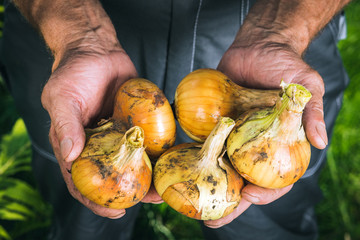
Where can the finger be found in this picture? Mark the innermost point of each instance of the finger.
(68, 136)
(314, 124)
(54, 142)
(260, 196)
(95, 208)
(243, 205)
(103, 211)
(152, 196)
(98, 209)
(120, 215)
(313, 117)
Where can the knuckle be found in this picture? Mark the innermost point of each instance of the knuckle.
(61, 126)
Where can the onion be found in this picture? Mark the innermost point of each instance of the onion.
(206, 95)
(113, 169)
(198, 180)
(269, 147)
(140, 102)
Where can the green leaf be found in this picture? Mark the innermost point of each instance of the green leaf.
(22, 193)
(15, 155)
(8, 214)
(15, 207)
(4, 234)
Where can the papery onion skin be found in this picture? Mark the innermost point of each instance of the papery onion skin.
(201, 189)
(206, 95)
(269, 147)
(108, 172)
(139, 102)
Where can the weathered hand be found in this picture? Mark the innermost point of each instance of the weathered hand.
(264, 65)
(80, 92)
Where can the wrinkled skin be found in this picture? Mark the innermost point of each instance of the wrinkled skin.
(78, 94)
(263, 66)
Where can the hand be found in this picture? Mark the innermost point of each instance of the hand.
(79, 92)
(251, 194)
(264, 65)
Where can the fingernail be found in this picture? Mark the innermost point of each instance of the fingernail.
(65, 147)
(251, 198)
(321, 130)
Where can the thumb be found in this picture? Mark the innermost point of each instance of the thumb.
(314, 124)
(313, 116)
(67, 136)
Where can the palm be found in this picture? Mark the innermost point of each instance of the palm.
(90, 82)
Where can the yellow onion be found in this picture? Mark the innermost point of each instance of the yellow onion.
(113, 170)
(198, 180)
(140, 102)
(269, 147)
(206, 95)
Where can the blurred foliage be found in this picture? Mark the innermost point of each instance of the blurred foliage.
(22, 209)
(161, 222)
